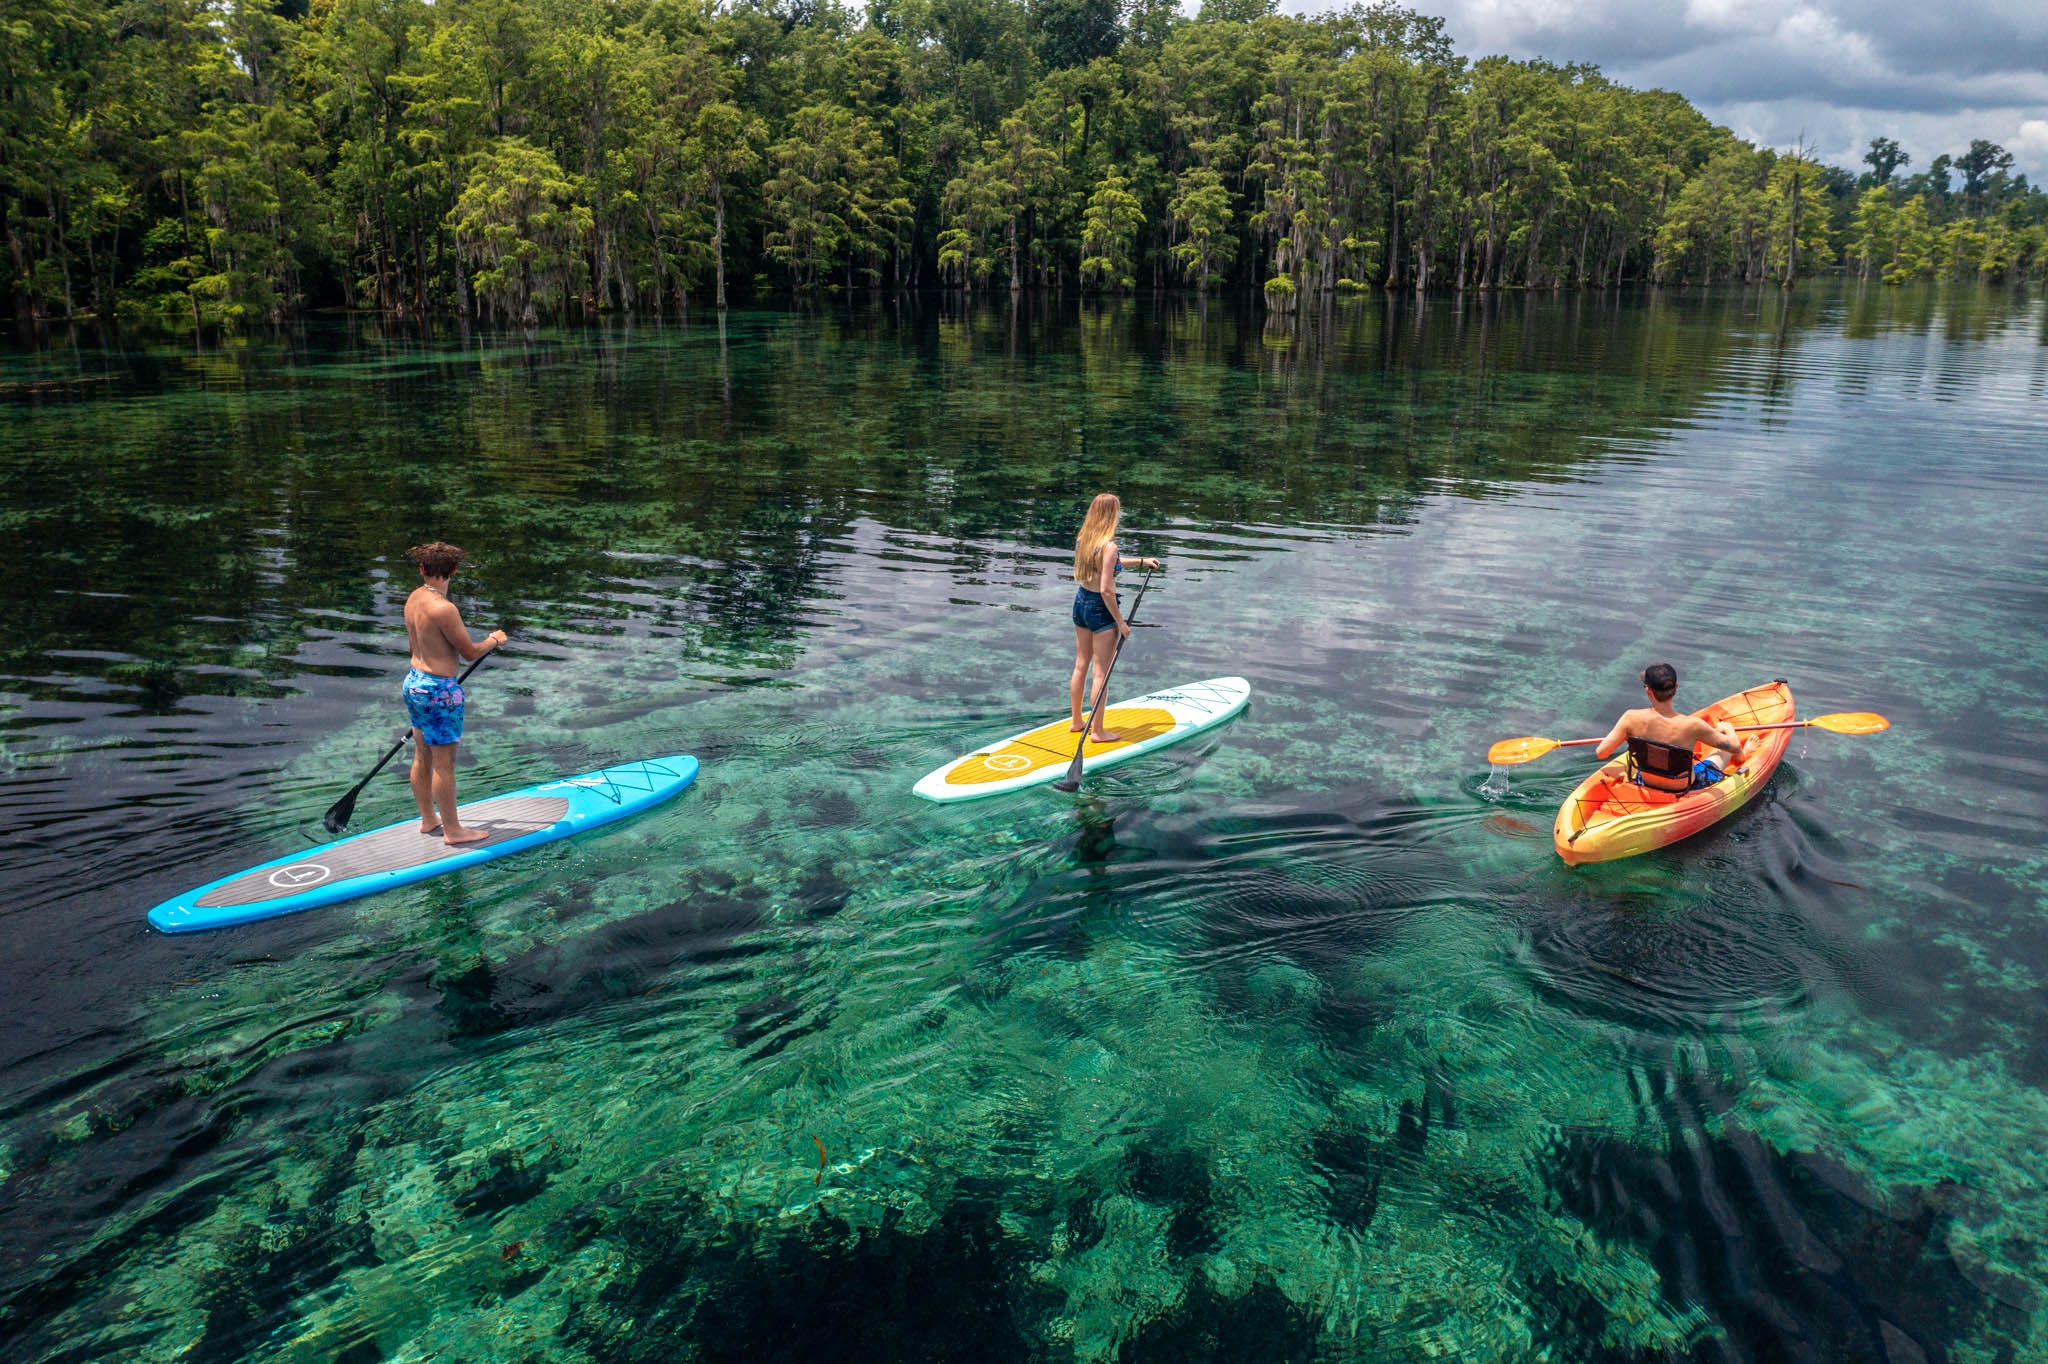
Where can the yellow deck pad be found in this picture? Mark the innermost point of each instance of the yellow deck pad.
(1053, 746)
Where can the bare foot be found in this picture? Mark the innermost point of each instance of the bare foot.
(426, 828)
(1076, 726)
(1104, 738)
(455, 838)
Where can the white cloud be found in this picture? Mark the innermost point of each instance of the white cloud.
(1842, 134)
(1835, 72)
(1734, 16)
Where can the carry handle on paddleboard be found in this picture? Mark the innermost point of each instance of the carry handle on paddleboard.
(338, 814)
(1072, 781)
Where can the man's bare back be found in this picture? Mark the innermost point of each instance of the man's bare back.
(433, 625)
(1661, 723)
(1679, 731)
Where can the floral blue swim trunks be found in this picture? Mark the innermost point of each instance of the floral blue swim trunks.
(434, 704)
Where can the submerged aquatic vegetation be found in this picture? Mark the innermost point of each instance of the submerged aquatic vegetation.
(1287, 1042)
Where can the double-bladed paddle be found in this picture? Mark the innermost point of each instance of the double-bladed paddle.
(1072, 781)
(338, 814)
(1508, 752)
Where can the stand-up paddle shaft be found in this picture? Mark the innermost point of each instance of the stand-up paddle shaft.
(1072, 781)
(1509, 752)
(338, 814)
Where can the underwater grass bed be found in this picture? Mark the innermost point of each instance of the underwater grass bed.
(1291, 1042)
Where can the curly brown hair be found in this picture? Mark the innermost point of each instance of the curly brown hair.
(437, 559)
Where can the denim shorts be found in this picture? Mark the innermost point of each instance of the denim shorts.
(1091, 612)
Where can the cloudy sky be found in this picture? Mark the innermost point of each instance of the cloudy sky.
(1931, 73)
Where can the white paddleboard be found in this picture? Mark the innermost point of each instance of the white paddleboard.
(1037, 756)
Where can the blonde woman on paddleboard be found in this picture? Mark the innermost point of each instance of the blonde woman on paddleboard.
(1099, 625)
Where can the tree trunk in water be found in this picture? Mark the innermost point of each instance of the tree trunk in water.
(419, 272)
(18, 274)
(660, 260)
(1393, 265)
(386, 294)
(92, 263)
(718, 237)
(1792, 235)
(63, 261)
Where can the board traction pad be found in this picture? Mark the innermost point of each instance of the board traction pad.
(1053, 745)
(504, 818)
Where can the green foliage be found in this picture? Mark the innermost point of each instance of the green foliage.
(1074, 32)
(974, 206)
(518, 220)
(807, 201)
(1201, 211)
(1748, 215)
(1897, 241)
(1885, 160)
(229, 160)
(1113, 217)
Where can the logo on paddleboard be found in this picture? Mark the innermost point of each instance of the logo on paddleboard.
(300, 876)
(1006, 762)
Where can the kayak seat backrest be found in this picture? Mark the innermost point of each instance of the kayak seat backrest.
(1660, 767)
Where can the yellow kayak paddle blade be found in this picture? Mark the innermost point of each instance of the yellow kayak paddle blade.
(1852, 722)
(1508, 752)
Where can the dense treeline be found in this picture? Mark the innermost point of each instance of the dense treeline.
(522, 158)
(1926, 225)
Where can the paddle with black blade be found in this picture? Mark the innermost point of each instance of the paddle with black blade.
(338, 814)
(1072, 781)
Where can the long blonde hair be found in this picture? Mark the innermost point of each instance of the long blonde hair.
(1103, 514)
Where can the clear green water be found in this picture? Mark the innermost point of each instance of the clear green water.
(1287, 1043)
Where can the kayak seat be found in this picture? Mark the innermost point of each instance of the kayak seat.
(1660, 767)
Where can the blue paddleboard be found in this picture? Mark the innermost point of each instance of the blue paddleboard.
(400, 854)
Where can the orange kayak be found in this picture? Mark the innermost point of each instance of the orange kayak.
(1609, 816)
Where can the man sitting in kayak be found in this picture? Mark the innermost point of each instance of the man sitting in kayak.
(1660, 740)
(433, 698)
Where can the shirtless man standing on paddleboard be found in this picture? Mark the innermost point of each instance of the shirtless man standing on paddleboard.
(433, 698)
(1660, 723)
